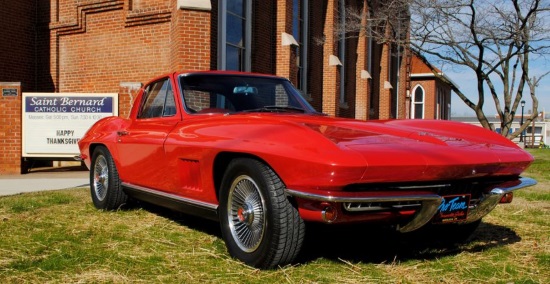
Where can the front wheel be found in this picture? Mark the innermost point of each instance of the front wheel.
(259, 225)
(105, 186)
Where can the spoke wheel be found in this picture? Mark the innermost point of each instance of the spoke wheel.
(259, 225)
(100, 178)
(246, 216)
(105, 185)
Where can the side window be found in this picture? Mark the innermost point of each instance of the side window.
(199, 101)
(158, 100)
(169, 103)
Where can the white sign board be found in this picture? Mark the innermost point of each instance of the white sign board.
(53, 123)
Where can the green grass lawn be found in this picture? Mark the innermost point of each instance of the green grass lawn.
(59, 237)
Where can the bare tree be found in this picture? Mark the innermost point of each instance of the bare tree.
(497, 40)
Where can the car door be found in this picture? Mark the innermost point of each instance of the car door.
(141, 145)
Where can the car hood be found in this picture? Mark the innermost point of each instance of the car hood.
(403, 150)
(426, 149)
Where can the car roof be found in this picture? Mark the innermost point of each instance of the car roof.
(225, 72)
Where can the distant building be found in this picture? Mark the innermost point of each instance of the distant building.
(537, 132)
(430, 96)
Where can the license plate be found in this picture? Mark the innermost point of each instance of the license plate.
(453, 208)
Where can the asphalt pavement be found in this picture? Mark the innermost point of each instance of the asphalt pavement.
(44, 179)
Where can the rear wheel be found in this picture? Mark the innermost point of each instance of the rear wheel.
(259, 225)
(105, 186)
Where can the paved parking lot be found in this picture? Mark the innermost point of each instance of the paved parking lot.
(44, 179)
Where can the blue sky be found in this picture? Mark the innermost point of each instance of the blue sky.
(465, 79)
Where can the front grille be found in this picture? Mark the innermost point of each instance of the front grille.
(476, 188)
(381, 206)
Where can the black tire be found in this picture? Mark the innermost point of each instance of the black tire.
(259, 225)
(105, 187)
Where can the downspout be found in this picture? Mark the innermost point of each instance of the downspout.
(398, 67)
(342, 53)
(248, 36)
(305, 34)
(222, 34)
(35, 43)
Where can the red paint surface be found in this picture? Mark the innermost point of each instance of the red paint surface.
(310, 153)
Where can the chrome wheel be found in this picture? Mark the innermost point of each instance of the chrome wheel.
(259, 224)
(246, 213)
(105, 184)
(101, 178)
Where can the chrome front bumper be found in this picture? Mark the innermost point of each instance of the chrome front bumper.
(489, 201)
(428, 203)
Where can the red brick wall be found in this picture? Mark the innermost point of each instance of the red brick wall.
(284, 53)
(101, 45)
(17, 64)
(190, 40)
(330, 72)
(17, 51)
(104, 51)
(94, 46)
(264, 39)
(384, 103)
(403, 87)
(10, 130)
(362, 84)
(350, 66)
(316, 61)
(114, 41)
(429, 95)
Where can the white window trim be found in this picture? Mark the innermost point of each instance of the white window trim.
(414, 103)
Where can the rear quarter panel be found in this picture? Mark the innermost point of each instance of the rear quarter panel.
(103, 132)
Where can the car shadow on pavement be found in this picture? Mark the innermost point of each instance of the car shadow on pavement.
(371, 244)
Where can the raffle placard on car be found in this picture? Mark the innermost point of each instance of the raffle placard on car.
(53, 123)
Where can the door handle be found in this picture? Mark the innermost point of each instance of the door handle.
(122, 133)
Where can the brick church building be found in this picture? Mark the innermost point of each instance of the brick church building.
(115, 46)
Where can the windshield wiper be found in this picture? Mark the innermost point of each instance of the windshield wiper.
(276, 109)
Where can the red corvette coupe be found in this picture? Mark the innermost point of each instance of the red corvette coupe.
(249, 151)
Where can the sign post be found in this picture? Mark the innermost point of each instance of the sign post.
(53, 123)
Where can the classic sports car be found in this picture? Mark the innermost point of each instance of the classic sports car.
(249, 151)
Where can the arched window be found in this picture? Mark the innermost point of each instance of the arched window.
(417, 105)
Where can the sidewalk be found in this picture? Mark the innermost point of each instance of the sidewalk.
(44, 179)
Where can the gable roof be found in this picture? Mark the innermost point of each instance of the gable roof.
(421, 67)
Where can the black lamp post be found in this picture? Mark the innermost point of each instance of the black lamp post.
(521, 123)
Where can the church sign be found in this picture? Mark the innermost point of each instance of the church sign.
(53, 123)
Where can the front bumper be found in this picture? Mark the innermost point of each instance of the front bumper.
(489, 201)
(425, 204)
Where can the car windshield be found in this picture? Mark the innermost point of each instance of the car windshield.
(215, 93)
